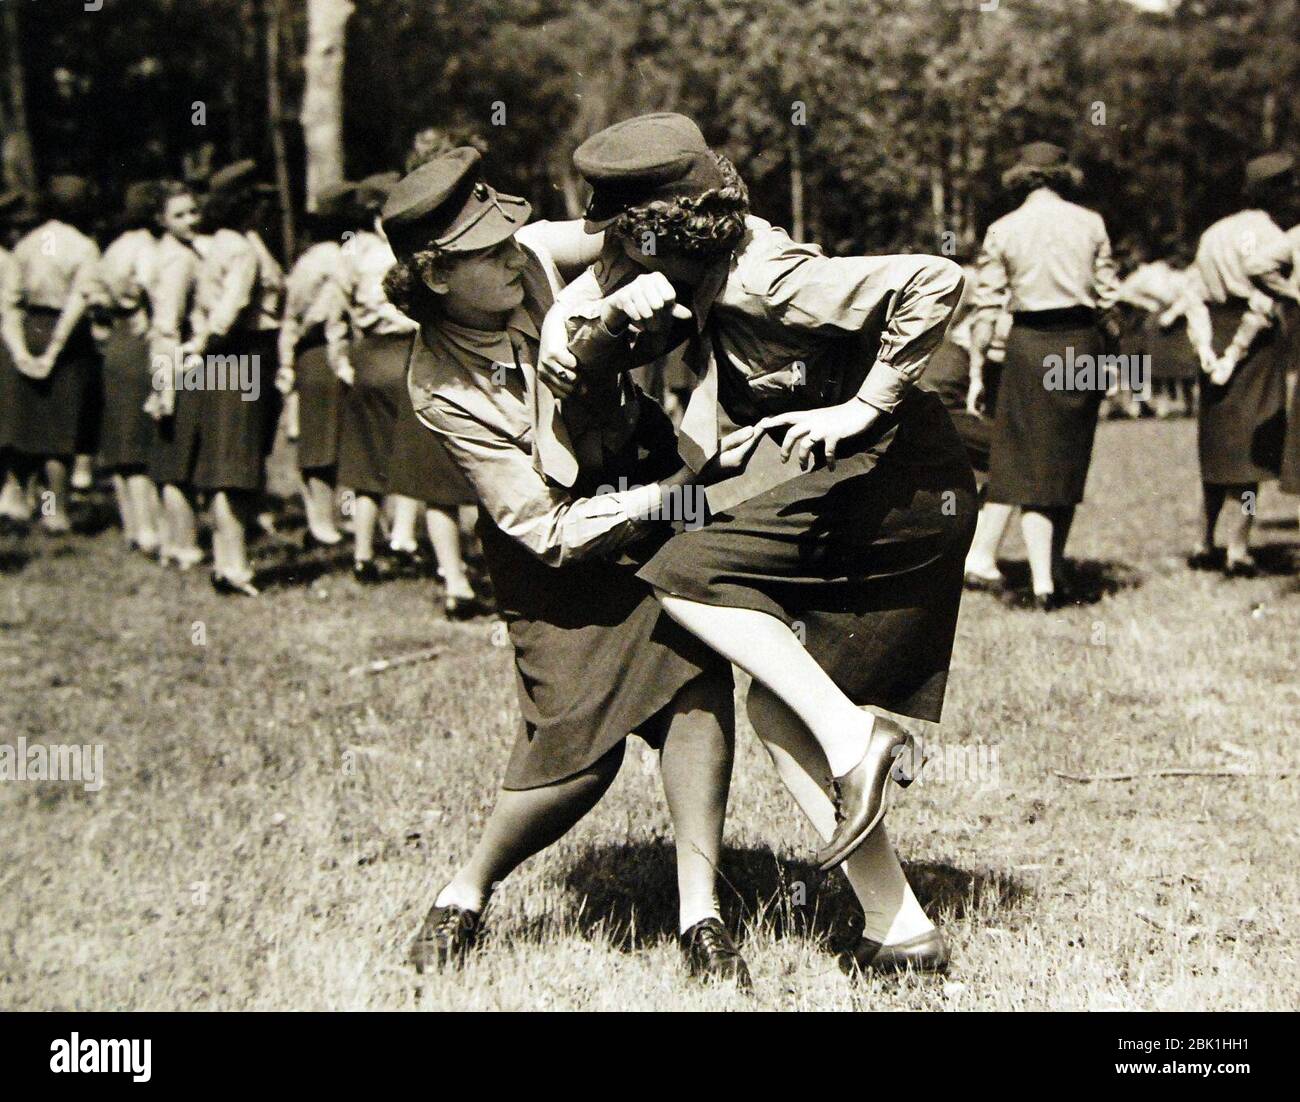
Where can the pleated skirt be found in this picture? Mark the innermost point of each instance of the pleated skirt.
(864, 562)
(1241, 425)
(126, 431)
(1043, 435)
(53, 417)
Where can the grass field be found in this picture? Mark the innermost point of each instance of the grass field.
(272, 827)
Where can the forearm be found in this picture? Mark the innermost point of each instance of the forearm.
(69, 318)
(11, 326)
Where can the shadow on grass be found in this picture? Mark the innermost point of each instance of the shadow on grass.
(13, 559)
(1088, 580)
(1276, 558)
(628, 893)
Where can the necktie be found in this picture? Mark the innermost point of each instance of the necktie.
(698, 432)
(551, 443)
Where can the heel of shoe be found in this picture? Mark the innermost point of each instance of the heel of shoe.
(908, 761)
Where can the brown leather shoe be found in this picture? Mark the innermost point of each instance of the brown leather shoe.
(711, 954)
(446, 938)
(859, 795)
(926, 952)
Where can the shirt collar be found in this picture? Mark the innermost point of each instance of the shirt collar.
(495, 346)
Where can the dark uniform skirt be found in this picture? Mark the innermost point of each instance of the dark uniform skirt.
(320, 402)
(235, 436)
(420, 467)
(50, 417)
(1291, 366)
(1172, 356)
(1042, 439)
(948, 375)
(596, 658)
(868, 558)
(8, 388)
(1241, 425)
(126, 431)
(368, 425)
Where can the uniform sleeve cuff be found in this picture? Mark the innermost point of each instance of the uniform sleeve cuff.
(884, 387)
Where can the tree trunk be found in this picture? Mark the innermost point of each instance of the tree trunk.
(796, 186)
(19, 161)
(322, 98)
(275, 118)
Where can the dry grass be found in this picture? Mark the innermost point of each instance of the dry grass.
(271, 829)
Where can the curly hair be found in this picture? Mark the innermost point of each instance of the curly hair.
(1022, 179)
(163, 193)
(406, 284)
(699, 227)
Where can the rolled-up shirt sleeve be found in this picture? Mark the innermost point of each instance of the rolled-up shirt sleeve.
(557, 528)
(169, 298)
(1105, 274)
(917, 294)
(237, 292)
(1271, 267)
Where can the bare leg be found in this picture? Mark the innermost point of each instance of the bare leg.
(13, 499)
(143, 495)
(525, 822)
(1037, 528)
(233, 511)
(696, 764)
(318, 501)
(182, 542)
(766, 649)
(365, 516)
(890, 910)
(990, 527)
(83, 472)
(125, 508)
(1240, 512)
(54, 499)
(443, 523)
(406, 511)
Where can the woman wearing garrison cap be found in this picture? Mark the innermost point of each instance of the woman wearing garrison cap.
(378, 453)
(43, 303)
(1241, 420)
(313, 309)
(595, 657)
(834, 584)
(118, 298)
(237, 312)
(1049, 263)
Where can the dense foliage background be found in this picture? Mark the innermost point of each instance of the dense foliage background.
(863, 123)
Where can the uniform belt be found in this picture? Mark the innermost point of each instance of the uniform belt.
(1058, 318)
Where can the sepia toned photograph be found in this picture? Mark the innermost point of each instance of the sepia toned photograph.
(649, 506)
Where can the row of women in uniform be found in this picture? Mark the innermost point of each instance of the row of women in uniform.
(1046, 274)
(176, 343)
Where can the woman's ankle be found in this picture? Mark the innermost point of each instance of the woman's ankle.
(465, 895)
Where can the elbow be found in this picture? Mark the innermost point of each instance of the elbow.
(947, 279)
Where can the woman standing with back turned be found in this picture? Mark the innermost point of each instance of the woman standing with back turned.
(1049, 263)
(48, 334)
